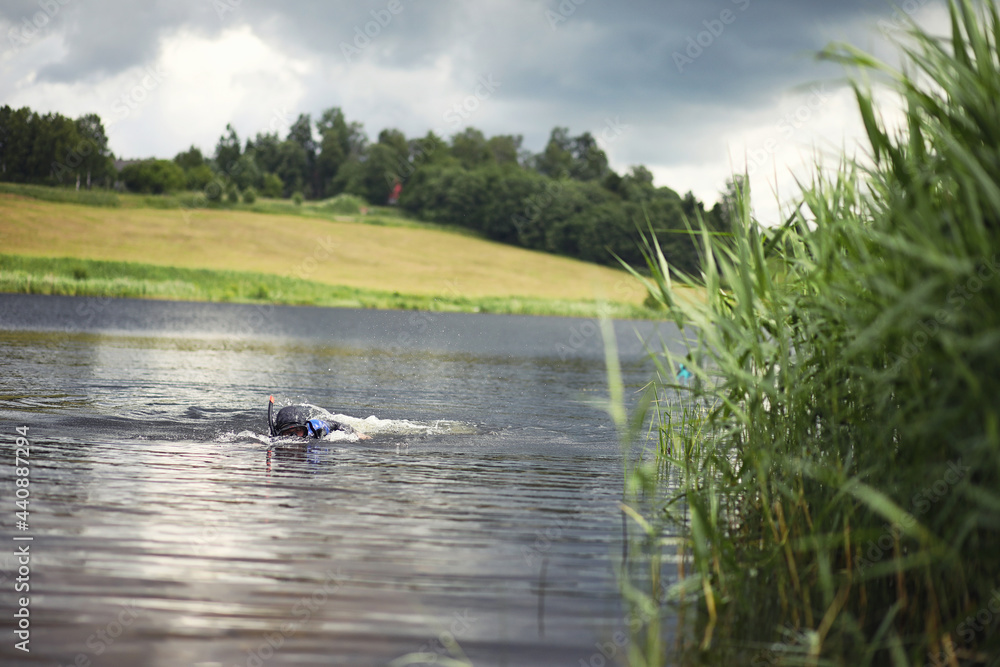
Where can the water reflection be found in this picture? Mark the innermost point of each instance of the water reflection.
(166, 518)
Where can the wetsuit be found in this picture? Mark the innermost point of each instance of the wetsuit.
(309, 418)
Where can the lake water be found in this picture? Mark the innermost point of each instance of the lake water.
(480, 521)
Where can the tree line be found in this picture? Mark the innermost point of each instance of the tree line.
(565, 199)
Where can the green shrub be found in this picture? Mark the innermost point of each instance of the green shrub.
(68, 195)
(213, 191)
(233, 194)
(273, 186)
(297, 198)
(153, 177)
(249, 196)
(343, 203)
(198, 178)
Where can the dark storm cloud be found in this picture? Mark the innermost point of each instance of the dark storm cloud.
(582, 50)
(108, 36)
(649, 61)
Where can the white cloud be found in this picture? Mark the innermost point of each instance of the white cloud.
(185, 75)
(187, 95)
(235, 78)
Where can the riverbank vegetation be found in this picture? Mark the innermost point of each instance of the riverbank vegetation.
(833, 466)
(314, 256)
(565, 200)
(79, 277)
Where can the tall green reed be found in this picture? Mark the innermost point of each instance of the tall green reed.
(841, 494)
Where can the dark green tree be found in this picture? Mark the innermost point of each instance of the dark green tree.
(227, 151)
(153, 177)
(469, 147)
(301, 135)
(556, 161)
(431, 149)
(334, 148)
(190, 158)
(506, 148)
(589, 161)
(18, 139)
(93, 149)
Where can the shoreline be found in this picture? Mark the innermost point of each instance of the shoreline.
(67, 276)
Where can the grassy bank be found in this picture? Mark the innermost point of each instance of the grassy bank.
(833, 470)
(78, 277)
(320, 257)
(340, 208)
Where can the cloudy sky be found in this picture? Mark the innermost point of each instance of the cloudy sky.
(690, 88)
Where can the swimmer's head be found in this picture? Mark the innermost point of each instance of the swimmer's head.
(292, 421)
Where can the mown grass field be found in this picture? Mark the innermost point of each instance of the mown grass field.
(305, 256)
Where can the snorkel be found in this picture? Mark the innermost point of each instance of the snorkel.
(270, 416)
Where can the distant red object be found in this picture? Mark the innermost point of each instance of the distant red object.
(394, 196)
